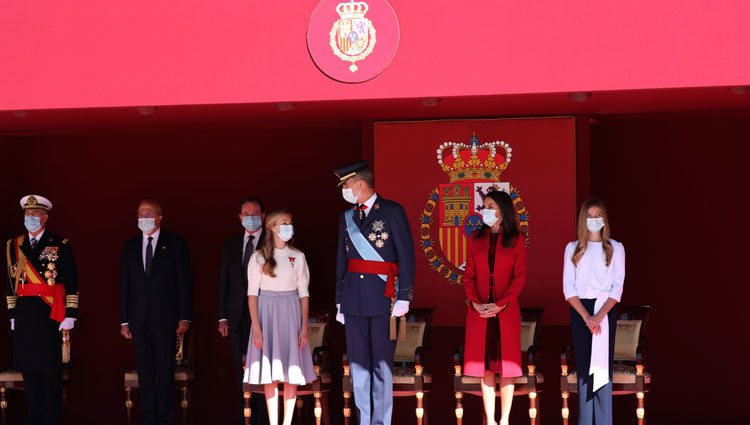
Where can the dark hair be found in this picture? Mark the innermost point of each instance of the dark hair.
(508, 214)
(365, 175)
(254, 199)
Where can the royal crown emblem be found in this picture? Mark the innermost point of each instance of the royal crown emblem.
(352, 35)
(453, 210)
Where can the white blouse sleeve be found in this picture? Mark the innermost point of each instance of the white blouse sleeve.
(618, 266)
(303, 278)
(254, 274)
(569, 272)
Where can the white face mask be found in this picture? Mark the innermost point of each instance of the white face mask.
(595, 224)
(146, 224)
(286, 231)
(489, 217)
(349, 195)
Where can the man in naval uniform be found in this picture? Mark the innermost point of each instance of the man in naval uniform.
(374, 278)
(42, 297)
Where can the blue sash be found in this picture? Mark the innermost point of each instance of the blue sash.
(363, 247)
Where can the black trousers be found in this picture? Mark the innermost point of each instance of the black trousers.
(155, 351)
(240, 336)
(594, 408)
(43, 397)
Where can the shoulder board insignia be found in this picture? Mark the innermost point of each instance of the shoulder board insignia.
(65, 241)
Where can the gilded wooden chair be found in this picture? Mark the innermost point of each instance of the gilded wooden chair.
(319, 322)
(13, 379)
(183, 376)
(629, 375)
(526, 384)
(410, 374)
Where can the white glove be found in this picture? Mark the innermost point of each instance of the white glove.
(13, 324)
(400, 308)
(67, 324)
(339, 315)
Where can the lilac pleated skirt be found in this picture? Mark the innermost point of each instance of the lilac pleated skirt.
(280, 359)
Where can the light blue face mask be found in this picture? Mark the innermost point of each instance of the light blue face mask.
(489, 217)
(32, 223)
(146, 224)
(286, 231)
(251, 222)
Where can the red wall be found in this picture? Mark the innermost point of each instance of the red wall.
(673, 187)
(675, 190)
(119, 53)
(200, 179)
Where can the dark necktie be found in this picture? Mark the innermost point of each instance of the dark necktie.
(361, 209)
(246, 255)
(149, 254)
(32, 243)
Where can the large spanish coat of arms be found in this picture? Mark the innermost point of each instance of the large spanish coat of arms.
(352, 35)
(453, 210)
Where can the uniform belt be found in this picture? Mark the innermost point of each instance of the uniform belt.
(56, 292)
(377, 267)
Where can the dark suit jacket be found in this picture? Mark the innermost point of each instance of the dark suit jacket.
(233, 280)
(362, 294)
(163, 297)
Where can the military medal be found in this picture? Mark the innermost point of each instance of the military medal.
(50, 274)
(378, 234)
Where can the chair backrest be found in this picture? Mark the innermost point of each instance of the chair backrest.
(183, 357)
(418, 323)
(318, 322)
(531, 325)
(631, 331)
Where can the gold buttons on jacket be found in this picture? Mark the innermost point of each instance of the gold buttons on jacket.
(361, 276)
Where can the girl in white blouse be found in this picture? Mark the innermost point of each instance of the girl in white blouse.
(593, 277)
(278, 298)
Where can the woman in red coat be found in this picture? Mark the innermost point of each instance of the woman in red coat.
(495, 274)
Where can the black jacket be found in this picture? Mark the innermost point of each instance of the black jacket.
(233, 280)
(163, 297)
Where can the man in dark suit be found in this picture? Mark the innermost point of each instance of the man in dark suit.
(155, 306)
(374, 278)
(42, 300)
(234, 318)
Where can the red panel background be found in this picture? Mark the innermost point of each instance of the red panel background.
(543, 168)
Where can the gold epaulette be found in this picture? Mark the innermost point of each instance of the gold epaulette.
(11, 300)
(71, 301)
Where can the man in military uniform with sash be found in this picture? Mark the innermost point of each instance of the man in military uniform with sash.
(374, 278)
(42, 299)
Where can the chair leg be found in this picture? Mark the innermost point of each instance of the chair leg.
(299, 404)
(3, 404)
(420, 407)
(184, 404)
(641, 411)
(565, 410)
(318, 410)
(533, 411)
(128, 404)
(347, 409)
(459, 408)
(326, 415)
(248, 411)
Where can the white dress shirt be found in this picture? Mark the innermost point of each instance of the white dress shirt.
(153, 245)
(255, 240)
(369, 203)
(592, 276)
(37, 237)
